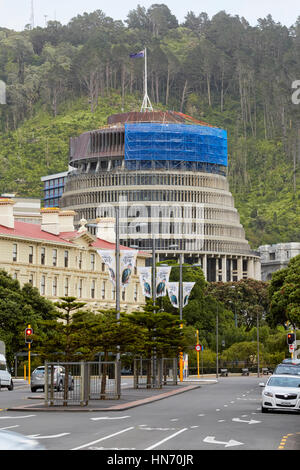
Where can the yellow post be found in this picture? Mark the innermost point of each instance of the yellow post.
(198, 353)
(181, 362)
(24, 371)
(29, 370)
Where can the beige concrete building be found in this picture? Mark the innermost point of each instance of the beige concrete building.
(61, 261)
(167, 174)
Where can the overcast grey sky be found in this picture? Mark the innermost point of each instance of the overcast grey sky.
(15, 14)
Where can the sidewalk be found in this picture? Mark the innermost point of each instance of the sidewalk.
(130, 398)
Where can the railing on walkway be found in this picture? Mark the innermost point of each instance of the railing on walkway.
(154, 372)
(87, 381)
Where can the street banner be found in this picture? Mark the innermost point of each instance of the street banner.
(173, 291)
(146, 281)
(187, 289)
(109, 258)
(162, 279)
(127, 264)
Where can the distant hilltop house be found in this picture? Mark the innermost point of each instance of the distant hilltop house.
(276, 257)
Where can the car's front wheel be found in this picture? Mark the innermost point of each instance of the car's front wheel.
(264, 410)
(11, 386)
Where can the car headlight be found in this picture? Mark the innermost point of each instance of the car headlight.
(268, 394)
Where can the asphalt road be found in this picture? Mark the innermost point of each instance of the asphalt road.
(221, 416)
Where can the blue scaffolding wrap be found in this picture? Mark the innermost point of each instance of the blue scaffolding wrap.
(175, 142)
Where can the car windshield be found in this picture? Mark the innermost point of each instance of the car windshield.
(287, 369)
(39, 370)
(284, 381)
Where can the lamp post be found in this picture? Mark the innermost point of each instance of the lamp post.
(217, 342)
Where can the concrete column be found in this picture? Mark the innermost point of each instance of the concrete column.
(204, 265)
(240, 268)
(251, 268)
(224, 261)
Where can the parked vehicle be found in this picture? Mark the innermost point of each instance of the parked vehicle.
(5, 377)
(281, 392)
(14, 441)
(38, 379)
(291, 361)
(291, 368)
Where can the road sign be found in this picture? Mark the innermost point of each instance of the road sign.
(291, 347)
(198, 347)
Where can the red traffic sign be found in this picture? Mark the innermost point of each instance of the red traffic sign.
(198, 347)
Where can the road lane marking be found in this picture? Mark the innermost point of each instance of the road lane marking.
(166, 439)
(252, 421)
(16, 417)
(54, 436)
(231, 443)
(10, 427)
(103, 438)
(108, 417)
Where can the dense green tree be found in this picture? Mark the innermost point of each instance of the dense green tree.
(18, 308)
(284, 294)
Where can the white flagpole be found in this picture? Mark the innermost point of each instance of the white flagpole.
(146, 105)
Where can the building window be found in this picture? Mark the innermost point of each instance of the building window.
(103, 290)
(43, 255)
(135, 295)
(54, 287)
(80, 260)
(30, 259)
(66, 258)
(54, 257)
(15, 252)
(93, 286)
(66, 286)
(80, 288)
(123, 294)
(272, 256)
(30, 280)
(93, 261)
(43, 285)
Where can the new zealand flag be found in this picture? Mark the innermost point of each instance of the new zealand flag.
(137, 55)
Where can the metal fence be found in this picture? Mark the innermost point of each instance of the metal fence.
(169, 371)
(87, 381)
(154, 373)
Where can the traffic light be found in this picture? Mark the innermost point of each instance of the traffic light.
(28, 335)
(290, 338)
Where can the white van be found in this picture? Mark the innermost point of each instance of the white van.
(5, 377)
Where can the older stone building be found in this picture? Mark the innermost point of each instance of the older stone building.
(61, 261)
(167, 174)
(276, 257)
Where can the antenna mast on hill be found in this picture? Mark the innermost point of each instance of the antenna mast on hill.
(32, 16)
(146, 104)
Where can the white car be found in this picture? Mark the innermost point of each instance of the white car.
(5, 377)
(281, 392)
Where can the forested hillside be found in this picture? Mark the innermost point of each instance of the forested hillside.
(65, 79)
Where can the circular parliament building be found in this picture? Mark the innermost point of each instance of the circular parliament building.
(166, 173)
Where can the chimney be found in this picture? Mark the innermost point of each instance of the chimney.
(106, 229)
(50, 220)
(66, 221)
(6, 212)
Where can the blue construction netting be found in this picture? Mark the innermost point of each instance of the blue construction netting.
(175, 142)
